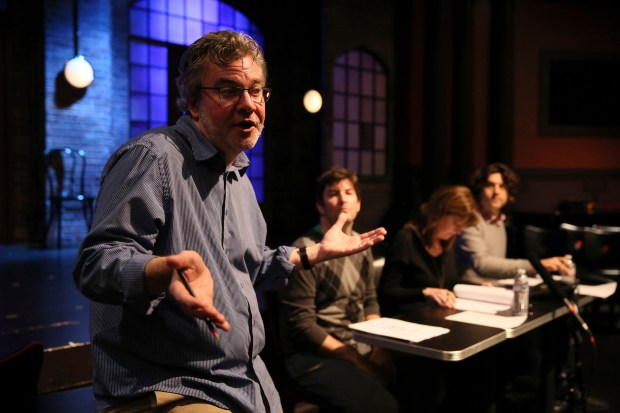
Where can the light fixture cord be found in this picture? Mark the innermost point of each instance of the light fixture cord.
(76, 33)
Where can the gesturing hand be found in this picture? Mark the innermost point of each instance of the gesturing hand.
(336, 243)
(201, 282)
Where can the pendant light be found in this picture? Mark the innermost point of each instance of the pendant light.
(78, 72)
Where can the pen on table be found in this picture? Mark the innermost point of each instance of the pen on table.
(191, 291)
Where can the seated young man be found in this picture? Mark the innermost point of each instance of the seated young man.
(322, 300)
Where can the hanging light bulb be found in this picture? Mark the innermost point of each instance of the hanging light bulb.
(78, 72)
(313, 101)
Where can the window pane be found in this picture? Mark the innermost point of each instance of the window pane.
(367, 166)
(367, 110)
(176, 32)
(241, 22)
(227, 15)
(159, 81)
(367, 139)
(353, 135)
(194, 8)
(339, 158)
(367, 83)
(158, 56)
(339, 134)
(380, 111)
(353, 81)
(139, 79)
(138, 53)
(176, 7)
(380, 87)
(157, 26)
(159, 5)
(339, 79)
(208, 28)
(210, 11)
(138, 22)
(380, 137)
(353, 108)
(159, 109)
(359, 103)
(193, 29)
(139, 107)
(353, 161)
(339, 107)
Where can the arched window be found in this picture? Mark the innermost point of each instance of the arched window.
(159, 31)
(359, 127)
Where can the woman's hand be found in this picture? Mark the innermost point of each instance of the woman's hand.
(441, 296)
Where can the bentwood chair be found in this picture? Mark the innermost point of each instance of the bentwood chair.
(65, 186)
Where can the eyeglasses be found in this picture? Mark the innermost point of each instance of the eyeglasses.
(234, 93)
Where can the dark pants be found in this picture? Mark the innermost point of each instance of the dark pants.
(340, 383)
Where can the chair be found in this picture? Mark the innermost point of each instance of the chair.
(19, 377)
(601, 258)
(572, 236)
(601, 250)
(537, 240)
(293, 397)
(65, 175)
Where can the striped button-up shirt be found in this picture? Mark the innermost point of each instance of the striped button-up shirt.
(162, 192)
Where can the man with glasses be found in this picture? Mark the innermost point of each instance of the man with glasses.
(177, 248)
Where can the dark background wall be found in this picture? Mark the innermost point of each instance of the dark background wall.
(464, 89)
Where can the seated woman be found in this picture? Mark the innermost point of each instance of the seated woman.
(420, 268)
(420, 263)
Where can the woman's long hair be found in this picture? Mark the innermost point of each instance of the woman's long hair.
(448, 200)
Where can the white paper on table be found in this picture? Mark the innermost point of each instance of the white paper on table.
(489, 320)
(403, 330)
(531, 281)
(465, 304)
(600, 291)
(496, 295)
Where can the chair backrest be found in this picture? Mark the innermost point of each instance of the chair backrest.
(19, 375)
(572, 240)
(537, 240)
(273, 356)
(601, 249)
(65, 172)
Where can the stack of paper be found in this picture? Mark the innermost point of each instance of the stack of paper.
(480, 305)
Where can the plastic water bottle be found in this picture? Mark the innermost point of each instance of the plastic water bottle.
(571, 276)
(521, 290)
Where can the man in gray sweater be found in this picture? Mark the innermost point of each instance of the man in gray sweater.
(481, 249)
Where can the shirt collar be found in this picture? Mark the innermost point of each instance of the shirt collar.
(496, 219)
(203, 150)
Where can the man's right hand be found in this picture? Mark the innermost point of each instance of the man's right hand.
(201, 282)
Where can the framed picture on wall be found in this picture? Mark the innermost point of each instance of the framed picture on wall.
(579, 93)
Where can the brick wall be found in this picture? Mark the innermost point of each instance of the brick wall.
(95, 119)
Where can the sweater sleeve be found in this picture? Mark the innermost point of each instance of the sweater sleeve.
(482, 250)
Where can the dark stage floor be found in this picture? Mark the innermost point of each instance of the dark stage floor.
(38, 301)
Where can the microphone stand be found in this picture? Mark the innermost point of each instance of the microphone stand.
(578, 382)
(582, 326)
